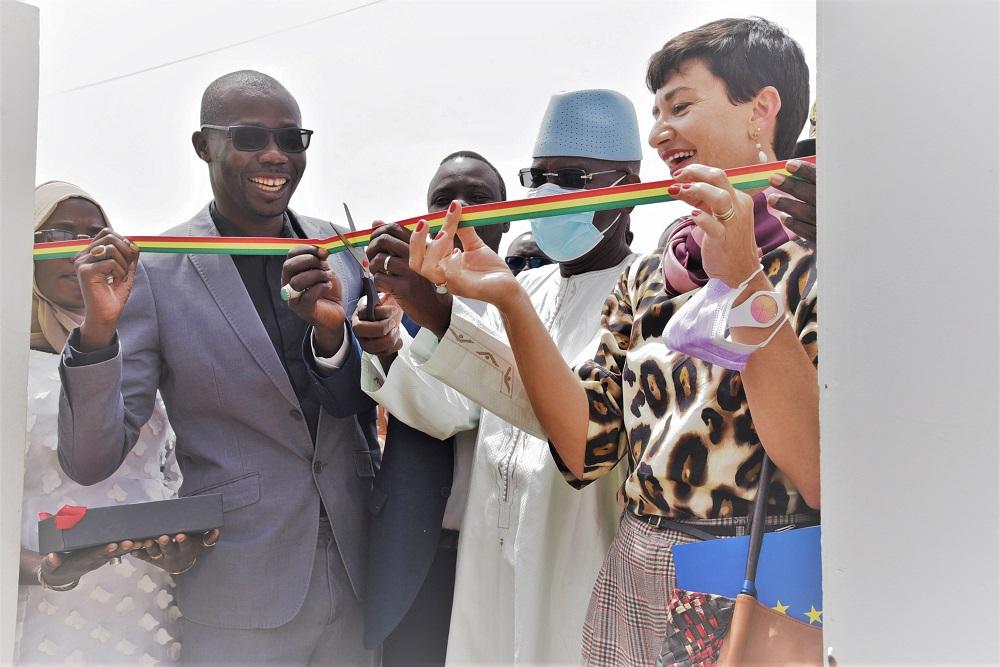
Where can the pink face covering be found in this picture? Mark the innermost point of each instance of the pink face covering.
(701, 326)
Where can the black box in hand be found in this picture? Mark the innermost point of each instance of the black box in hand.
(104, 525)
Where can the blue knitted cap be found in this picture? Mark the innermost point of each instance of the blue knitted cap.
(597, 124)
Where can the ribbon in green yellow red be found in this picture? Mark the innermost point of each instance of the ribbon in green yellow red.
(621, 196)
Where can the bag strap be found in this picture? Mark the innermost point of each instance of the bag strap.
(757, 521)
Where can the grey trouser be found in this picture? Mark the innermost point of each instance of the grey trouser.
(328, 630)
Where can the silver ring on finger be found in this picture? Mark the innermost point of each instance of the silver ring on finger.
(289, 293)
(441, 288)
(207, 544)
(385, 266)
(727, 216)
(117, 560)
(110, 279)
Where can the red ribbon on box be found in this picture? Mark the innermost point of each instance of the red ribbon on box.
(67, 517)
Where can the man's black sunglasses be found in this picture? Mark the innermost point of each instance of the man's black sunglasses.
(251, 138)
(518, 263)
(532, 177)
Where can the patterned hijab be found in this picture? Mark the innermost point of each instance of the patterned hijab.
(51, 323)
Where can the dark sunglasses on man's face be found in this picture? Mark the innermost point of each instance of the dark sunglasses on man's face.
(532, 177)
(251, 138)
(519, 263)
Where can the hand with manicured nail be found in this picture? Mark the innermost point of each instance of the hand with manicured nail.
(476, 272)
(729, 250)
(800, 208)
(321, 301)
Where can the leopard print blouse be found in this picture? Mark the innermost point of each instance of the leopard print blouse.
(683, 424)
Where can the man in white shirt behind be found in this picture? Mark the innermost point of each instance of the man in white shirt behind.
(530, 546)
(420, 490)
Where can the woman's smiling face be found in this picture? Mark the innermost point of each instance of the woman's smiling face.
(695, 122)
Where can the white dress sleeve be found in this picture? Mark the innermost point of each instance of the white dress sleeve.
(414, 397)
(475, 359)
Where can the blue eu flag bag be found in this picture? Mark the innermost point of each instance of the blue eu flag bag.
(758, 599)
(789, 576)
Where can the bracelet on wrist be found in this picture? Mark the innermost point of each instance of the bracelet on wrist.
(193, 561)
(47, 586)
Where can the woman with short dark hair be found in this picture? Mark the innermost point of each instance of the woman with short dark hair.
(728, 94)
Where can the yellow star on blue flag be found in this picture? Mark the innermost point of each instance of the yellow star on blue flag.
(789, 573)
(814, 615)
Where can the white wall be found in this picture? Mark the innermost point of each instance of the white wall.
(18, 122)
(908, 150)
(909, 242)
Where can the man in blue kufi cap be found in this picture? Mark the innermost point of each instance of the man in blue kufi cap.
(531, 546)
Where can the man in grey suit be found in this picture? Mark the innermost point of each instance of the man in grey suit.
(263, 395)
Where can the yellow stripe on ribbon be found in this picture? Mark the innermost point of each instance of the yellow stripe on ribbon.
(621, 196)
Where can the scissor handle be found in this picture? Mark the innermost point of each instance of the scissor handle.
(368, 285)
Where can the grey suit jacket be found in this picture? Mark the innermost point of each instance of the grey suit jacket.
(190, 330)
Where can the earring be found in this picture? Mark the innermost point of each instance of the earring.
(761, 155)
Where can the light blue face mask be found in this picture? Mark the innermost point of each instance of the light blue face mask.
(566, 237)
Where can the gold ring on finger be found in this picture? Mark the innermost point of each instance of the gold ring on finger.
(157, 556)
(98, 251)
(727, 216)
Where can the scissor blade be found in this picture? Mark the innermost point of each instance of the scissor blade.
(350, 219)
(351, 250)
(367, 280)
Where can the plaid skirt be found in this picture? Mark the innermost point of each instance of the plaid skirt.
(627, 616)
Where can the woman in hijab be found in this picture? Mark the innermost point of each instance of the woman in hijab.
(70, 607)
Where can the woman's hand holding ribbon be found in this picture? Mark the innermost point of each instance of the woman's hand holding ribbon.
(106, 271)
(725, 215)
(475, 272)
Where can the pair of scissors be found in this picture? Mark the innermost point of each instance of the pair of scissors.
(367, 279)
